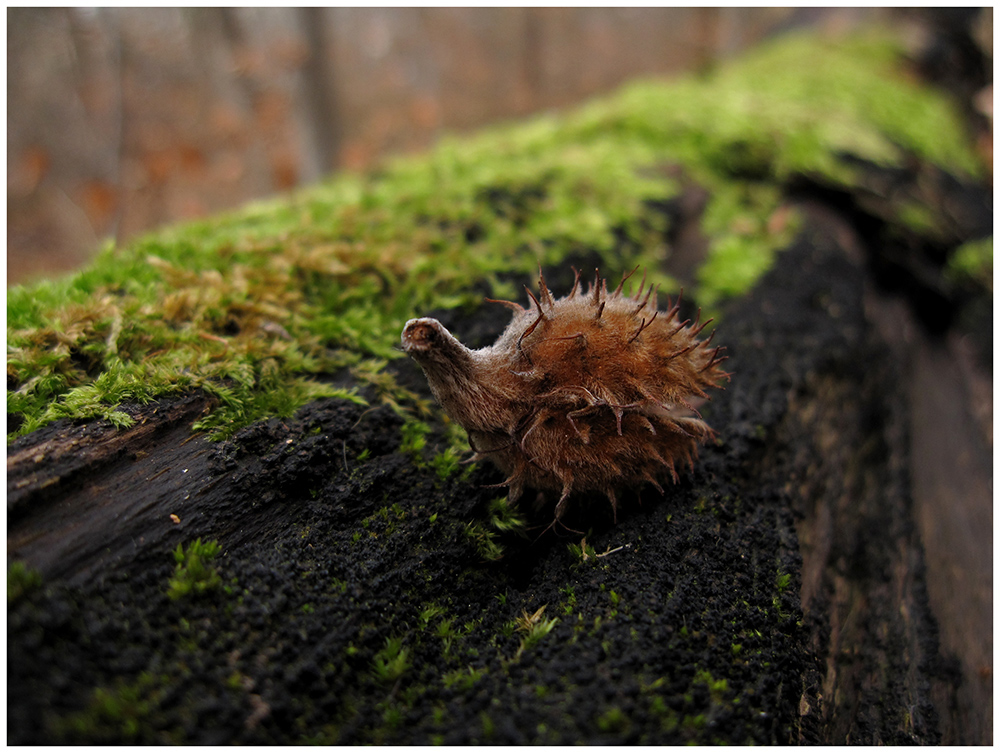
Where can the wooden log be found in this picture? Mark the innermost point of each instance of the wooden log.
(814, 425)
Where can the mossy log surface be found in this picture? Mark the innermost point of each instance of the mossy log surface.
(371, 591)
(684, 623)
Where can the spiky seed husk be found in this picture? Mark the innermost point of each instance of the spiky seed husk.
(587, 393)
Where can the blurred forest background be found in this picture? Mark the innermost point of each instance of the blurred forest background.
(120, 120)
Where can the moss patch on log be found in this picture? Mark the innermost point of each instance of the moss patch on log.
(304, 297)
(972, 264)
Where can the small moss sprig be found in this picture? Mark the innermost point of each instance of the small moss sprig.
(972, 263)
(502, 518)
(505, 518)
(462, 680)
(484, 541)
(535, 627)
(21, 580)
(391, 661)
(194, 574)
(121, 711)
(582, 551)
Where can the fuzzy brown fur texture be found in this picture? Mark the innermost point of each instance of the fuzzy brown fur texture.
(592, 392)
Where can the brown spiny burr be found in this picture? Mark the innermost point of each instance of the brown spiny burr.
(591, 392)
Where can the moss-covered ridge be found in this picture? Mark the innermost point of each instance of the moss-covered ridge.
(268, 308)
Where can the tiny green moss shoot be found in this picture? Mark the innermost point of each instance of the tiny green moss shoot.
(194, 574)
(391, 662)
(21, 580)
(972, 262)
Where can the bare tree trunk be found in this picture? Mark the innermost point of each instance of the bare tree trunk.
(319, 77)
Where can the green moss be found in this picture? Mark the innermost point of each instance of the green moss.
(259, 307)
(485, 542)
(462, 679)
(21, 580)
(791, 107)
(414, 439)
(502, 519)
(973, 262)
(582, 552)
(505, 517)
(391, 662)
(716, 688)
(194, 574)
(382, 522)
(744, 238)
(669, 719)
(569, 606)
(447, 463)
(489, 727)
(692, 724)
(429, 613)
(535, 627)
(446, 631)
(122, 712)
(392, 717)
(613, 720)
